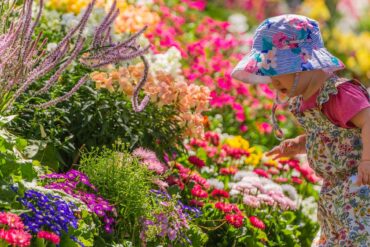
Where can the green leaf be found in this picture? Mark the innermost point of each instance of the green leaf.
(288, 216)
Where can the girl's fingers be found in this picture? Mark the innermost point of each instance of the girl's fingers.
(275, 150)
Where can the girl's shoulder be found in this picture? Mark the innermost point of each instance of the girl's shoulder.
(350, 98)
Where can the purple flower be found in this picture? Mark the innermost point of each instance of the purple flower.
(69, 183)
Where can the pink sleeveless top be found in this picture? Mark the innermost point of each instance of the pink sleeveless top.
(342, 107)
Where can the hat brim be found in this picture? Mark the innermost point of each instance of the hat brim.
(253, 69)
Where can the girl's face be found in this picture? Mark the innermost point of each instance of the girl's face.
(284, 83)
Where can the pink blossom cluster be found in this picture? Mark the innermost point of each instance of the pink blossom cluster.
(12, 230)
(258, 192)
(149, 158)
(49, 236)
(233, 215)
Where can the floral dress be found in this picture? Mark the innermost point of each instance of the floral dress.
(334, 153)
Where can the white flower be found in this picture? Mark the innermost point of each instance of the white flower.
(207, 169)
(309, 208)
(238, 23)
(168, 62)
(290, 191)
(216, 183)
(241, 174)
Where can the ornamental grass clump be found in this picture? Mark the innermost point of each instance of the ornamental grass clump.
(25, 59)
(123, 181)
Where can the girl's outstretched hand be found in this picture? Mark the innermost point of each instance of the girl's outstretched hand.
(288, 148)
(363, 176)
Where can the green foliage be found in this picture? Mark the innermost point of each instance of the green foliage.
(94, 118)
(123, 181)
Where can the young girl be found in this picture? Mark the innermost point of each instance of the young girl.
(288, 52)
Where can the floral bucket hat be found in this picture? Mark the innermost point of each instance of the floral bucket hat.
(282, 45)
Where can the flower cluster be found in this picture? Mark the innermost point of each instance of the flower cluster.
(233, 215)
(12, 230)
(163, 88)
(186, 176)
(150, 159)
(258, 191)
(171, 221)
(70, 183)
(48, 211)
(199, 163)
(49, 236)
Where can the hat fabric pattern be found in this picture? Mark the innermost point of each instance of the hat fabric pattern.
(282, 45)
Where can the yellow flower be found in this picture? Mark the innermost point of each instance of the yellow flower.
(316, 9)
(238, 142)
(255, 156)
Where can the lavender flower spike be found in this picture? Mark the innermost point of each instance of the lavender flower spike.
(23, 61)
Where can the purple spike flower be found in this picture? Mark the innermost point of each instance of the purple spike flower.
(23, 61)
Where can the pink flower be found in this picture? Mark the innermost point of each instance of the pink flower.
(261, 172)
(196, 4)
(52, 237)
(296, 180)
(16, 237)
(196, 161)
(235, 219)
(265, 128)
(257, 222)
(281, 118)
(251, 201)
(228, 170)
(11, 220)
(198, 192)
(225, 83)
(220, 193)
(242, 90)
(243, 128)
(227, 207)
(240, 116)
(267, 91)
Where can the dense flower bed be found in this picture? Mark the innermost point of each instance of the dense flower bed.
(121, 126)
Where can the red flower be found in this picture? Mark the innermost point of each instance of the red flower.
(235, 153)
(228, 170)
(172, 180)
(50, 236)
(296, 180)
(261, 172)
(257, 222)
(227, 207)
(198, 192)
(196, 161)
(200, 180)
(11, 220)
(235, 219)
(212, 137)
(220, 193)
(16, 237)
(181, 168)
